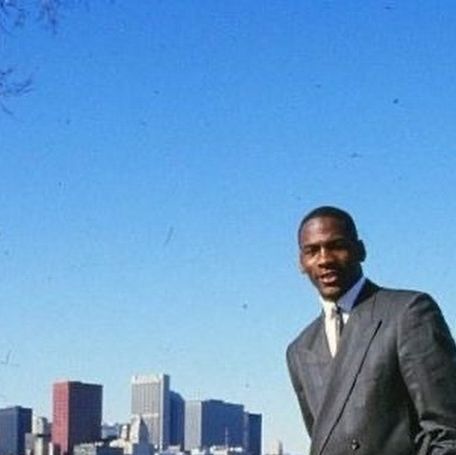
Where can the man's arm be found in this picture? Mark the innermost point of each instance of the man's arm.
(427, 358)
(298, 387)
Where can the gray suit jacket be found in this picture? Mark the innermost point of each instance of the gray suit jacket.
(390, 389)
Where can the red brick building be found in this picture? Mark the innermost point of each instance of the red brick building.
(77, 413)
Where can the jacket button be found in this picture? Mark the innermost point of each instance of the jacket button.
(355, 444)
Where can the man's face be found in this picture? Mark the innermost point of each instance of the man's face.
(330, 256)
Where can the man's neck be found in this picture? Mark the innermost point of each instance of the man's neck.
(346, 301)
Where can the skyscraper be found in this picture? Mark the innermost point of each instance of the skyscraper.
(15, 422)
(213, 422)
(41, 436)
(150, 399)
(177, 416)
(252, 433)
(77, 411)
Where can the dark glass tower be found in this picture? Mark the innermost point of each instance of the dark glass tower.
(14, 423)
(177, 416)
(252, 433)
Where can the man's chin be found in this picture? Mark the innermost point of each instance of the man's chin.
(330, 293)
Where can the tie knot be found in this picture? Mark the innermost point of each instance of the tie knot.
(336, 311)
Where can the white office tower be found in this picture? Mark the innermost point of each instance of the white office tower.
(134, 438)
(40, 425)
(150, 400)
(41, 432)
(139, 437)
(279, 447)
(139, 432)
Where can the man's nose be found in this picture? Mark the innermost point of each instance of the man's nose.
(325, 257)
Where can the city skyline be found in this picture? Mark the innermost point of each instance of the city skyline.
(155, 424)
(75, 402)
(152, 182)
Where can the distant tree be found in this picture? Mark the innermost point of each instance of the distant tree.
(14, 14)
(11, 87)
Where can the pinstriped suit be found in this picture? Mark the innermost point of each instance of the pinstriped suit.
(390, 389)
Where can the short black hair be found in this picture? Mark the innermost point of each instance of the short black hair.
(333, 212)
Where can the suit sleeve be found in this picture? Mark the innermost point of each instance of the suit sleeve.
(298, 388)
(427, 359)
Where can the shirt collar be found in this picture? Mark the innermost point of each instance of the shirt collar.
(347, 301)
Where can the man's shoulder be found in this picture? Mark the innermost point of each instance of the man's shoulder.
(306, 336)
(394, 303)
(385, 295)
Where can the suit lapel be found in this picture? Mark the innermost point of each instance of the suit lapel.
(318, 349)
(343, 371)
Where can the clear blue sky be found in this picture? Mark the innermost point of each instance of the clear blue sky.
(152, 182)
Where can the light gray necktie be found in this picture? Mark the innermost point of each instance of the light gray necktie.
(334, 328)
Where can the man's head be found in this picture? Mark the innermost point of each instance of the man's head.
(330, 251)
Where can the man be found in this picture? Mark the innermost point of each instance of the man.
(375, 373)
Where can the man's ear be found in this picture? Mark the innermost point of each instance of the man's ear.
(300, 266)
(361, 251)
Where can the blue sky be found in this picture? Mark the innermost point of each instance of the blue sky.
(152, 182)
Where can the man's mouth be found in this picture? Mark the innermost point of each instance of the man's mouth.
(329, 278)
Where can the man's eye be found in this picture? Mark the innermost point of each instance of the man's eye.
(310, 251)
(339, 245)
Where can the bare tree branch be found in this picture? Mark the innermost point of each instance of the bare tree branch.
(10, 87)
(49, 12)
(14, 14)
